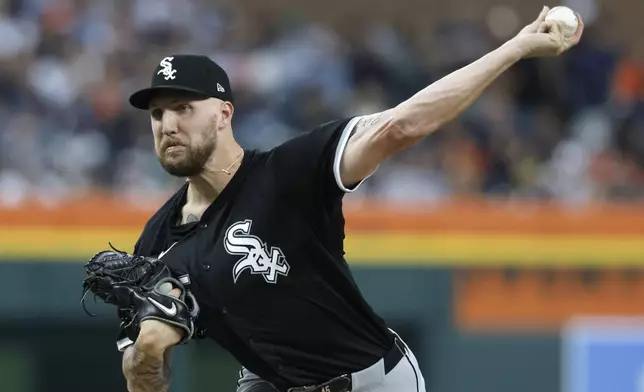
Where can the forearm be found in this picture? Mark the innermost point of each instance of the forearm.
(146, 370)
(445, 99)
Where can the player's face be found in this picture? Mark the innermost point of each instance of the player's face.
(185, 132)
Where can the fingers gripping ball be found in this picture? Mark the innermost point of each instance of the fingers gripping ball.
(566, 18)
(142, 288)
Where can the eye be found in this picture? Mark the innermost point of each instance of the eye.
(157, 114)
(184, 108)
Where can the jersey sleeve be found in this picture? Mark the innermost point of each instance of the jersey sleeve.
(309, 164)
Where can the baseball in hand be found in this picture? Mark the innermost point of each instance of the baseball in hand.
(165, 288)
(566, 17)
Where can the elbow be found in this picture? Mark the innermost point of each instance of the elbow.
(403, 131)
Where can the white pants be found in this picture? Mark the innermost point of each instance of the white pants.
(404, 377)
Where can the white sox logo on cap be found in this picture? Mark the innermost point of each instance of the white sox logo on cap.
(167, 70)
(197, 74)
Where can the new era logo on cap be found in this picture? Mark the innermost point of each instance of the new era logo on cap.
(192, 73)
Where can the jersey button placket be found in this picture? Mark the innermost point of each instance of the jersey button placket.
(204, 266)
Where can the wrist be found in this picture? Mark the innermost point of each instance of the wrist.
(152, 343)
(149, 348)
(517, 48)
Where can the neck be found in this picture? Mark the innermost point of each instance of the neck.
(204, 188)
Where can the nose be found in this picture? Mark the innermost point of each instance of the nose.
(168, 123)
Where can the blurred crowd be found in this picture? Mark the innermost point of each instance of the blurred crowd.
(569, 128)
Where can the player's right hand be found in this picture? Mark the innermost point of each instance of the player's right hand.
(545, 39)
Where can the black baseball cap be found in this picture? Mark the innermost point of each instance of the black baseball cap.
(186, 72)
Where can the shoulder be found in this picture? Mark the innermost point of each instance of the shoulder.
(314, 141)
(333, 129)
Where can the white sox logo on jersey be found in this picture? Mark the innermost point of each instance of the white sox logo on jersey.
(257, 257)
(167, 70)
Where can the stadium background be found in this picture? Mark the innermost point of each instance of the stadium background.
(481, 245)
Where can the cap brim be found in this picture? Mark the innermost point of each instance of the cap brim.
(141, 99)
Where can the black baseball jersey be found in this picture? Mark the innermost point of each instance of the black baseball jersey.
(266, 264)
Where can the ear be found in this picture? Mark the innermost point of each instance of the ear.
(227, 110)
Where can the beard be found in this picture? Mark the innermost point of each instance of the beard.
(187, 161)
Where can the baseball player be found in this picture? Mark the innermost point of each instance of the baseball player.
(256, 237)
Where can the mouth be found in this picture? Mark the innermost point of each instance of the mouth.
(175, 147)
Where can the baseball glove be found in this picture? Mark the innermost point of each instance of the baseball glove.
(139, 287)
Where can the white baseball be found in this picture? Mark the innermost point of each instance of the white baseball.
(165, 288)
(567, 17)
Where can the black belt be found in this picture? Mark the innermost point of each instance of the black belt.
(343, 383)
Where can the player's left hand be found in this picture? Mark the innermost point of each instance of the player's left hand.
(143, 289)
(545, 39)
(157, 334)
